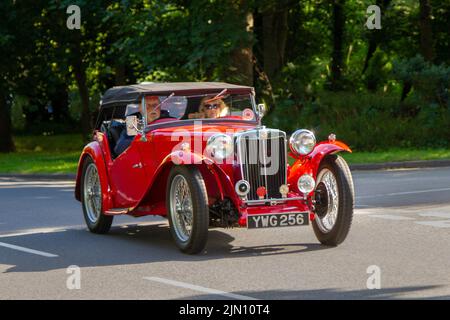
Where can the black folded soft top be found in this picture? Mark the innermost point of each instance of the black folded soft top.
(121, 95)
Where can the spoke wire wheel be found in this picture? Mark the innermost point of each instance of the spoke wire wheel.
(181, 209)
(187, 208)
(335, 198)
(92, 194)
(327, 219)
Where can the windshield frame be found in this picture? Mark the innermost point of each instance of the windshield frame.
(181, 122)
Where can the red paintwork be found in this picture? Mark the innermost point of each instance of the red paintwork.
(141, 189)
(309, 164)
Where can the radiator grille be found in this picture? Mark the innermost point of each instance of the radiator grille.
(262, 157)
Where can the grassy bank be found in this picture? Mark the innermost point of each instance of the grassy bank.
(60, 154)
(43, 154)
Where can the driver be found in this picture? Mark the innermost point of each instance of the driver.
(153, 108)
(153, 113)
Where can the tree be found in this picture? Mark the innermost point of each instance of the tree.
(77, 53)
(376, 36)
(426, 47)
(426, 34)
(337, 62)
(16, 47)
(274, 36)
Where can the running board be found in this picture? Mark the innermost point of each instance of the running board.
(117, 211)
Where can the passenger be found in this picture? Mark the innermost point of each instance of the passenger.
(212, 109)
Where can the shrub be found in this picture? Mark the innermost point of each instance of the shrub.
(365, 121)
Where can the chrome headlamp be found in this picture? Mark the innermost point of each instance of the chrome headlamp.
(302, 142)
(306, 184)
(219, 146)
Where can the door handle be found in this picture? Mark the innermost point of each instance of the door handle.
(137, 166)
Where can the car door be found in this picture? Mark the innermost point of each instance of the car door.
(128, 176)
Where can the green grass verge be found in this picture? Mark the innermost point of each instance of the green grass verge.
(57, 143)
(39, 162)
(393, 155)
(60, 154)
(43, 154)
(396, 155)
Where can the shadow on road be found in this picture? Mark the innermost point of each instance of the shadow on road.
(126, 245)
(331, 294)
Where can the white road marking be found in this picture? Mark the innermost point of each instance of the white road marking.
(28, 250)
(436, 214)
(199, 288)
(402, 193)
(436, 224)
(35, 231)
(28, 232)
(390, 217)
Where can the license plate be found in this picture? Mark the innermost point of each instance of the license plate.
(277, 220)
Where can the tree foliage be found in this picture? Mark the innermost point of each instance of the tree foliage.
(292, 51)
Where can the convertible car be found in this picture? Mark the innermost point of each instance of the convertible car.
(198, 154)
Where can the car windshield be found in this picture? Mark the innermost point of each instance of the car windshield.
(229, 106)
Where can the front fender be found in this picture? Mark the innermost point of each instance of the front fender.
(94, 150)
(157, 186)
(310, 163)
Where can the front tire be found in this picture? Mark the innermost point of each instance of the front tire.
(335, 197)
(91, 199)
(187, 208)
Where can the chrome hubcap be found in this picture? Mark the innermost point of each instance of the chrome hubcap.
(327, 219)
(181, 210)
(92, 193)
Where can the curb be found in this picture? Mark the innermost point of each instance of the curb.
(401, 165)
(353, 167)
(41, 176)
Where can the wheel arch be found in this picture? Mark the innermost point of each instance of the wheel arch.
(310, 164)
(215, 178)
(94, 151)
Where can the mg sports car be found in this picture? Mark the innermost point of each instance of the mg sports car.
(199, 155)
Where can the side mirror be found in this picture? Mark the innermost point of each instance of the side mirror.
(261, 110)
(135, 126)
(132, 126)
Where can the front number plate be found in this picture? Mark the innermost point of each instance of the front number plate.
(277, 220)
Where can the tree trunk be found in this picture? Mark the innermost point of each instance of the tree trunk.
(275, 30)
(80, 77)
(426, 40)
(338, 35)
(375, 36)
(120, 75)
(6, 141)
(60, 103)
(426, 34)
(242, 58)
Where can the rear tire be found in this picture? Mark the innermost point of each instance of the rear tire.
(91, 199)
(333, 170)
(187, 208)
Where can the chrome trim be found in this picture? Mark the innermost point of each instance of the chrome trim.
(281, 200)
(299, 132)
(255, 134)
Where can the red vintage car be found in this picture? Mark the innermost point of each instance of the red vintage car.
(198, 154)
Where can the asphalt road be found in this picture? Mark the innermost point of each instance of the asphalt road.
(401, 230)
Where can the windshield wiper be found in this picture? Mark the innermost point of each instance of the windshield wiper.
(217, 97)
(166, 99)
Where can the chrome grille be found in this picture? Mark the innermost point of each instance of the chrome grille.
(262, 157)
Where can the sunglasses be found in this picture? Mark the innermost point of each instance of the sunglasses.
(211, 106)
